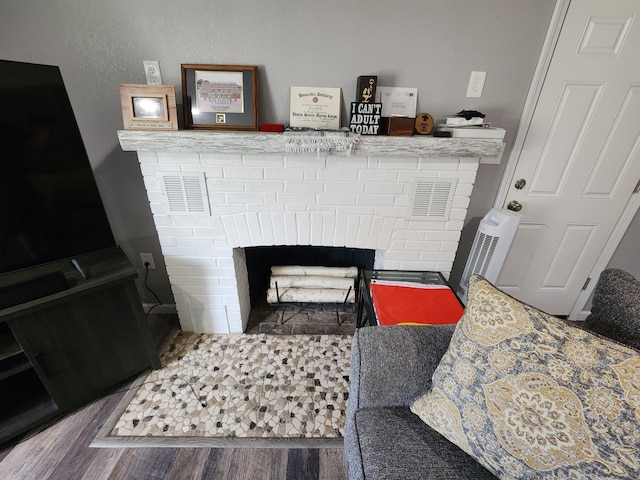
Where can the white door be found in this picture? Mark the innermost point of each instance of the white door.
(580, 160)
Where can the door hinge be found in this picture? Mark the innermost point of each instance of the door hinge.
(586, 283)
(637, 189)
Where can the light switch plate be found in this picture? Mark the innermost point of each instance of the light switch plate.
(152, 72)
(476, 84)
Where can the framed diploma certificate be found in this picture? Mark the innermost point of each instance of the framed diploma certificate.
(315, 107)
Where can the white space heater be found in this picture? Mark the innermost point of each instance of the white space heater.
(490, 247)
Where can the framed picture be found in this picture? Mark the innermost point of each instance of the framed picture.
(220, 96)
(148, 107)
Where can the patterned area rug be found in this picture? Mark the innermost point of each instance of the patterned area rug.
(238, 390)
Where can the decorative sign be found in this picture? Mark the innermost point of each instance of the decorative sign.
(424, 124)
(365, 118)
(311, 107)
(366, 89)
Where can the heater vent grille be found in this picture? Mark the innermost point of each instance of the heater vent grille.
(184, 193)
(431, 198)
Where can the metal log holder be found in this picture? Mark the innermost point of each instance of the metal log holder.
(304, 305)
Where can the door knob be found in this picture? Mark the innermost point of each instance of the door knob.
(514, 205)
(520, 184)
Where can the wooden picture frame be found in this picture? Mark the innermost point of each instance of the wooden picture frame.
(220, 96)
(148, 107)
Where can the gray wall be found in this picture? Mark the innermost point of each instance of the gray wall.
(429, 44)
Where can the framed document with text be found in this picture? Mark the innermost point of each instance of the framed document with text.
(315, 107)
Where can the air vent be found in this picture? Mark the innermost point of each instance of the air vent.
(431, 198)
(184, 193)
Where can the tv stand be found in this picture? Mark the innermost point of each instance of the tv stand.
(65, 348)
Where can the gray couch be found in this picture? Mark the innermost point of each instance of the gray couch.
(392, 366)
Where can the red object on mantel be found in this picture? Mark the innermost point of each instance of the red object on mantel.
(272, 127)
(414, 304)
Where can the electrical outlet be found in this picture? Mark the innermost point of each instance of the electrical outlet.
(152, 72)
(476, 84)
(148, 258)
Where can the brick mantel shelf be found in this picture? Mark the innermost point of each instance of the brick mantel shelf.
(404, 197)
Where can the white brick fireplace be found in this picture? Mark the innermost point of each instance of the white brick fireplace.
(405, 198)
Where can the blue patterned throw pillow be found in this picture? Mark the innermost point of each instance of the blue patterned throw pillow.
(531, 397)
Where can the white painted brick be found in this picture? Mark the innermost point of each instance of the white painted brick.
(147, 156)
(231, 229)
(304, 187)
(384, 188)
(354, 210)
(444, 267)
(279, 236)
(377, 176)
(290, 228)
(193, 242)
(227, 209)
(163, 220)
(385, 237)
(245, 197)
(423, 246)
(284, 173)
(395, 255)
(377, 226)
(210, 171)
(454, 225)
(179, 158)
(460, 202)
(448, 164)
(167, 241)
(295, 198)
(328, 230)
(403, 163)
(463, 177)
(409, 235)
(376, 200)
(190, 221)
(243, 172)
(243, 230)
(457, 214)
(393, 212)
(311, 174)
(152, 169)
(305, 161)
(364, 232)
(220, 159)
(342, 187)
(271, 186)
(224, 185)
(266, 227)
(303, 224)
(341, 230)
(449, 246)
(464, 189)
(443, 236)
(353, 225)
(317, 220)
(179, 251)
(264, 160)
(438, 256)
(338, 174)
(336, 199)
(469, 164)
(347, 162)
(255, 232)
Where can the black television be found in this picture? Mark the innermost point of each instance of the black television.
(50, 207)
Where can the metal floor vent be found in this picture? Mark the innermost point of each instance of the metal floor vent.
(184, 193)
(431, 198)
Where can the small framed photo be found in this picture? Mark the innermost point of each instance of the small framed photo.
(220, 96)
(148, 107)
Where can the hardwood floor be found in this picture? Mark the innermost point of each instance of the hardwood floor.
(61, 451)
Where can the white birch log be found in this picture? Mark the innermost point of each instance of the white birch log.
(351, 272)
(311, 281)
(310, 295)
